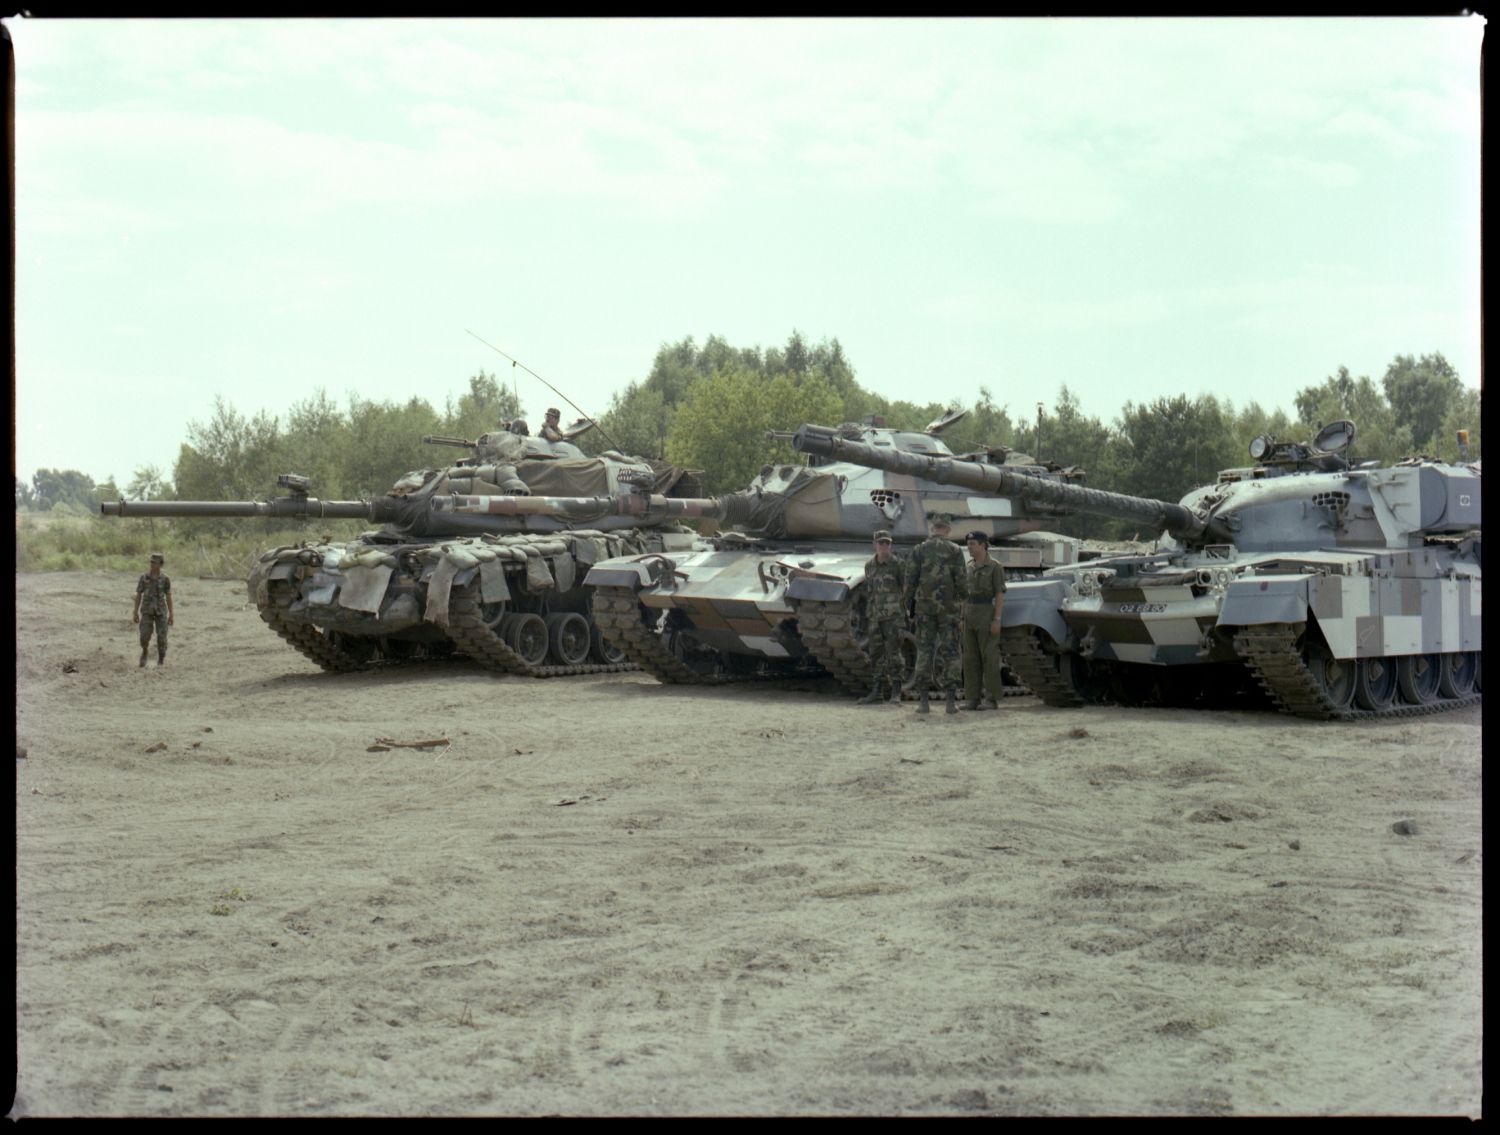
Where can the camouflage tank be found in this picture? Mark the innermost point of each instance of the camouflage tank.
(485, 557)
(1337, 590)
(785, 594)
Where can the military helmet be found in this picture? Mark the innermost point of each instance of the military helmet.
(158, 558)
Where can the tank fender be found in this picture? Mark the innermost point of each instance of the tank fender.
(813, 587)
(1037, 604)
(632, 575)
(1252, 602)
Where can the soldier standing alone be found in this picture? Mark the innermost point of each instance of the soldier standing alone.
(935, 581)
(153, 599)
(885, 614)
(984, 599)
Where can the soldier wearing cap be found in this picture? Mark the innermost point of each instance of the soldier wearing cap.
(153, 599)
(885, 615)
(984, 599)
(935, 584)
(550, 430)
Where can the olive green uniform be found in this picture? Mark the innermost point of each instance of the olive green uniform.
(984, 587)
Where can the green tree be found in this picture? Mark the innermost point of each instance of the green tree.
(1422, 393)
(69, 488)
(1173, 445)
(148, 483)
(1379, 435)
(1462, 415)
(316, 445)
(486, 406)
(639, 422)
(722, 424)
(25, 496)
(229, 457)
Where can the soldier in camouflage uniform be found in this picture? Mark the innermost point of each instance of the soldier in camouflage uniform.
(984, 593)
(153, 599)
(885, 614)
(935, 582)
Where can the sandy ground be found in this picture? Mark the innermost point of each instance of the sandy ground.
(609, 896)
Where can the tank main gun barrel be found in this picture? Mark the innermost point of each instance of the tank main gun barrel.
(455, 442)
(290, 507)
(734, 508)
(997, 480)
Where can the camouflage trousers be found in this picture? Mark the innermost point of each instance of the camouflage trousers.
(884, 647)
(158, 623)
(981, 654)
(938, 662)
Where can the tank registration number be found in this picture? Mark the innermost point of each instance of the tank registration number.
(1141, 608)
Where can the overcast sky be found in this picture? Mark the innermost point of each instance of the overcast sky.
(1133, 208)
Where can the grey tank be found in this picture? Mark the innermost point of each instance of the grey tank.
(484, 557)
(1335, 590)
(784, 595)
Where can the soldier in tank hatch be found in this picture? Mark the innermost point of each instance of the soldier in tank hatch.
(551, 428)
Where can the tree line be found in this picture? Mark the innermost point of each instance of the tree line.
(709, 407)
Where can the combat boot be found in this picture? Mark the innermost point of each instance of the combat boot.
(896, 693)
(952, 706)
(161, 657)
(973, 703)
(922, 702)
(873, 697)
(143, 656)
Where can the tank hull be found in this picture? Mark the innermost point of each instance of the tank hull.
(1335, 633)
(513, 603)
(745, 608)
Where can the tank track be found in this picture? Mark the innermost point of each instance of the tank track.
(467, 628)
(308, 640)
(1037, 668)
(827, 630)
(617, 613)
(1271, 653)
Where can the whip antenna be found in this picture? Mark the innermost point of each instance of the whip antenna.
(515, 362)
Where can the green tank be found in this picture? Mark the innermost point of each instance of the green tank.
(485, 557)
(784, 595)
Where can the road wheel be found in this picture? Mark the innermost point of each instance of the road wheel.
(1417, 678)
(568, 636)
(526, 634)
(1334, 676)
(1456, 674)
(602, 650)
(1375, 683)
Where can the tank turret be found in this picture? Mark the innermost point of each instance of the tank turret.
(485, 557)
(1296, 496)
(1333, 589)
